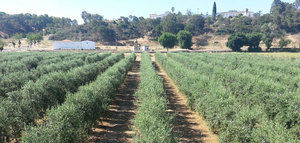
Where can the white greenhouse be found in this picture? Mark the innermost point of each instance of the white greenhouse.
(69, 45)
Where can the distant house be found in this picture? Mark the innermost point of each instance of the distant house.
(234, 13)
(155, 16)
(69, 45)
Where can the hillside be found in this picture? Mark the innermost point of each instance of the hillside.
(209, 42)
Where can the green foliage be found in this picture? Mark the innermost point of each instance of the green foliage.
(34, 38)
(152, 121)
(267, 41)
(70, 121)
(214, 12)
(107, 34)
(184, 39)
(18, 36)
(59, 62)
(241, 99)
(167, 40)
(172, 24)
(253, 41)
(35, 98)
(236, 41)
(195, 24)
(284, 42)
(28, 23)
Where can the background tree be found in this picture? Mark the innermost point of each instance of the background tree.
(253, 40)
(167, 40)
(268, 40)
(172, 24)
(173, 9)
(277, 5)
(106, 34)
(156, 32)
(236, 41)
(34, 38)
(297, 4)
(195, 24)
(284, 42)
(214, 12)
(185, 39)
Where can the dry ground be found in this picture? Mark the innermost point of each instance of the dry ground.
(190, 127)
(118, 127)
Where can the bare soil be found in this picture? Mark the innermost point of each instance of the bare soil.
(190, 126)
(118, 127)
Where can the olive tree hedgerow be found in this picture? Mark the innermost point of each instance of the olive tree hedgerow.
(236, 41)
(185, 39)
(167, 40)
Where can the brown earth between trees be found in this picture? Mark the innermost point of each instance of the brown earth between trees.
(117, 128)
(190, 127)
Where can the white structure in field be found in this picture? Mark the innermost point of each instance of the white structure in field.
(69, 45)
(140, 48)
(145, 48)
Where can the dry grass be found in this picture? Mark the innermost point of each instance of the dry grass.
(215, 43)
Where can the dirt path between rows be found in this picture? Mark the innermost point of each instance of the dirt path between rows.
(190, 127)
(117, 128)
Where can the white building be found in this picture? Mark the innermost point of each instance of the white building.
(69, 45)
(155, 16)
(234, 13)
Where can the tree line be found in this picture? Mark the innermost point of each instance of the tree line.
(283, 18)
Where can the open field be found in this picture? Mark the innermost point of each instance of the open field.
(171, 97)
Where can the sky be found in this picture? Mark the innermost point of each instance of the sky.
(113, 9)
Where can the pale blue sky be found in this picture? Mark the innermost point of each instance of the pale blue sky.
(112, 9)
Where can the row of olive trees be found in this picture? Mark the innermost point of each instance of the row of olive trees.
(238, 40)
(183, 38)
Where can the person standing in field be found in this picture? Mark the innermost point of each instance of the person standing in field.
(14, 44)
(20, 44)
